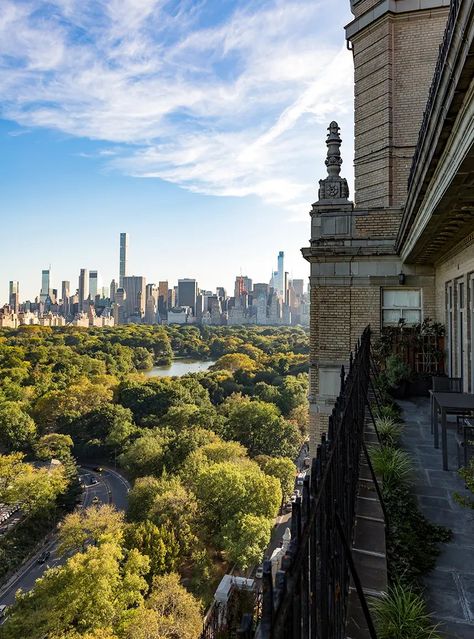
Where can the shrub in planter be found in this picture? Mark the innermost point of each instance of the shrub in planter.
(389, 430)
(392, 465)
(398, 374)
(390, 411)
(401, 614)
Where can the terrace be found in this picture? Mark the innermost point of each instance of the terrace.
(450, 586)
(337, 563)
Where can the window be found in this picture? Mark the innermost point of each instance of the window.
(400, 304)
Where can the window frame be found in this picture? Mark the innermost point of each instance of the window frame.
(400, 309)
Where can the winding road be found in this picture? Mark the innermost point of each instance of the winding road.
(111, 488)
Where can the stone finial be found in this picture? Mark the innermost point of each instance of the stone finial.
(333, 187)
(333, 142)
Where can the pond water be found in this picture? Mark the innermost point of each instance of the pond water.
(180, 367)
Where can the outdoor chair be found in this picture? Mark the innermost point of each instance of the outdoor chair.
(465, 440)
(442, 384)
(447, 384)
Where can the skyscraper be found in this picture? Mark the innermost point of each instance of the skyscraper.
(187, 293)
(113, 289)
(280, 283)
(93, 284)
(65, 293)
(135, 297)
(83, 288)
(45, 284)
(123, 257)
(151, 305)
(163, 299)
(14, 296)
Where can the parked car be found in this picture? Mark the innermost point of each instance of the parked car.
(95, 500)
(300, 479)
(3, 610)
(43, 558)
(94, 480)
(259, 572)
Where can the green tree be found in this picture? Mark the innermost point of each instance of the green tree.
(35, 488)
(54, 446)
(170, 612)
(293, 393)
(280, 467)
(97, 525)
(17, 428)
(227, 488)
(261, 429)
(158, 543)
(92, 591)
(62, 406)
(142, 496)
(234, 362)
(245, 537)
(145, 456)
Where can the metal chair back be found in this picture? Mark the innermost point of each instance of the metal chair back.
(447, 384)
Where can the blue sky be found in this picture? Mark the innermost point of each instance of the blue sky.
(195, 125)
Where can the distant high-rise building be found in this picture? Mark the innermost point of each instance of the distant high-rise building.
(65, 293)
(14, 296)
(94, 286)
(45, 284)
(113, 289)
(151, 305)
(187, 293)
(135, 300)
(221, 292)
(260, 290)
(280, 280)
(123, 257)
(163, 299)
(243, 284)
(83, 288)
(119, 306)
(298, 287)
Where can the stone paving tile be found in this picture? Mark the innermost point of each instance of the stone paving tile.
(450, 586)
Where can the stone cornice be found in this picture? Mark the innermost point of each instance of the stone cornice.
(390, 6)
(447, 133)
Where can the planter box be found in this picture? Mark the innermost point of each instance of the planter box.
(419, 387)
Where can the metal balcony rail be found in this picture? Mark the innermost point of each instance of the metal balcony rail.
(309, 597)
(435, 83)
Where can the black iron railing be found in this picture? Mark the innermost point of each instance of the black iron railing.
(310, 595)
(440, 64)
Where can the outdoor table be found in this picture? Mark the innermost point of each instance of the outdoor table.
(448, 403)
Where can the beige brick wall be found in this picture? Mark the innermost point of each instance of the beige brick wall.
(394, 60)
(379, 224)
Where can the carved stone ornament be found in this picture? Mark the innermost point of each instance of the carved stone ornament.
(333, 187)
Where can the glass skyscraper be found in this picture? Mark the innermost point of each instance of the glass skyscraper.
(123, 257)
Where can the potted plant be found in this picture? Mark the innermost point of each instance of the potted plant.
(397, 374)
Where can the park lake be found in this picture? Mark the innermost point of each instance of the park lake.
(179, 367)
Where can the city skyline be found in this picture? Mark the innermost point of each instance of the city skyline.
(49, 279)
(216, 167)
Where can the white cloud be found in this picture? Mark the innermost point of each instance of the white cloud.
(238, 108)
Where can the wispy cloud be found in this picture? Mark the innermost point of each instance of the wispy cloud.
(229, 103)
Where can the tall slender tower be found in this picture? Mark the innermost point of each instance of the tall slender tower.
(280, 283)
(83, 287)
(14, 297)
(65, 294)
(45, 284)
(94, 284)
(123, 257)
